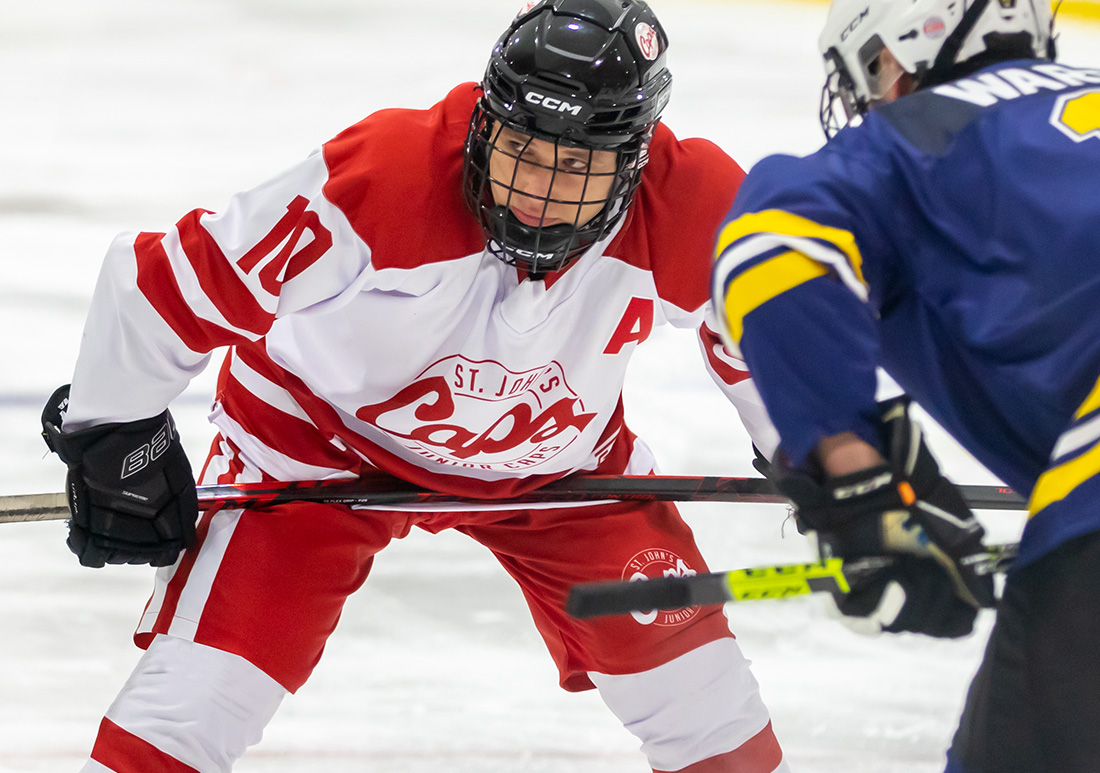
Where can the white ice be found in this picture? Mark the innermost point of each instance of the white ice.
(124, 114)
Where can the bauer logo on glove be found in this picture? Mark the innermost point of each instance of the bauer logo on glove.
(130, 488)
(139, 459)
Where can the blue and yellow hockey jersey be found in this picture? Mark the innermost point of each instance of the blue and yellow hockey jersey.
(954, 239)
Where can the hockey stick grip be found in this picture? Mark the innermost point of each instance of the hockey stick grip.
(601, 599)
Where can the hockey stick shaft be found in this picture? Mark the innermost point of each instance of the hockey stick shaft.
(832, 575)
(385, 490)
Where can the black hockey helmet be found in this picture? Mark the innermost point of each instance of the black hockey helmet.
(586, 74)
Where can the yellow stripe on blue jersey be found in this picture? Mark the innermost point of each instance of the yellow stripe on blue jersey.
(1092, 402)
(1056, 483)
(764, 281)
(780, 223)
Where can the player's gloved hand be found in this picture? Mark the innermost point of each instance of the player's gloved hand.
(932, 579)
(130, 488)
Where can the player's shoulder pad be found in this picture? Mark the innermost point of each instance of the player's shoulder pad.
(687, 188)
(398, 169)
(679, 161)
(928, 121)
(794, 183)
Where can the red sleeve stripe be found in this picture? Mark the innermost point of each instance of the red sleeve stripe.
(219, 279)
(158, 284)
(263, 387)
(323, 415)
(719, 359)
(296, 439)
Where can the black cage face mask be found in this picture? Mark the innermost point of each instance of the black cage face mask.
(543, 202)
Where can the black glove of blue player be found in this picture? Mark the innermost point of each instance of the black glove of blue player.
(907, 512)
(130, 488)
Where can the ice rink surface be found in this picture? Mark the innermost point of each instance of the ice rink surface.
(122, 114)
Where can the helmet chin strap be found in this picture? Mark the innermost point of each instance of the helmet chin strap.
(945, 59)
(551, 248)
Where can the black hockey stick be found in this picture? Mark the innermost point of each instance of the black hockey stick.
(384, 490)
(832, 575)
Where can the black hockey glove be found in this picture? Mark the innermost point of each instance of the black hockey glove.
(905, 511)
(130, 488)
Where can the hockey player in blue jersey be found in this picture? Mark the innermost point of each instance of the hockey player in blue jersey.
(949, 231)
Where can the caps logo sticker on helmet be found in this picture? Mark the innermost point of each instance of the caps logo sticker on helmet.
(935, 27)
(647, 41)
(527, 7)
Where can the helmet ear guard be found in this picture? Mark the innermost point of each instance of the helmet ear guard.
(586, 74)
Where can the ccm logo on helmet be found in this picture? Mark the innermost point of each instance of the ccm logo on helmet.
(553, 103)
(854, 23)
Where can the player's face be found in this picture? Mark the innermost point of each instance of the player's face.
(545, 184)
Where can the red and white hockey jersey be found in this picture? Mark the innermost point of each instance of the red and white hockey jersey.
(368, 327)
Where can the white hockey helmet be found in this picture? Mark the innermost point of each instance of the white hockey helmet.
(927, 38)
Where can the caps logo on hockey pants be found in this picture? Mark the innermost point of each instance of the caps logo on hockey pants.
(659, 562)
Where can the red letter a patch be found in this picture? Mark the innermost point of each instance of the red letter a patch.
(635, 326)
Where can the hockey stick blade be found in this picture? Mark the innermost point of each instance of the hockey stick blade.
(384, 490)
(602, 599)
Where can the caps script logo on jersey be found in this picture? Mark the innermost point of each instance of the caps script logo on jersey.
(480, 414)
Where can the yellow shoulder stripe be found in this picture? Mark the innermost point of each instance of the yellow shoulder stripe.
(1056, 483)
(1092, 402)
(765, 281)
(778, 222)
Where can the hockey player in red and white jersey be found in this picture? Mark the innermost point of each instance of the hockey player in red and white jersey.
(449, 296)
